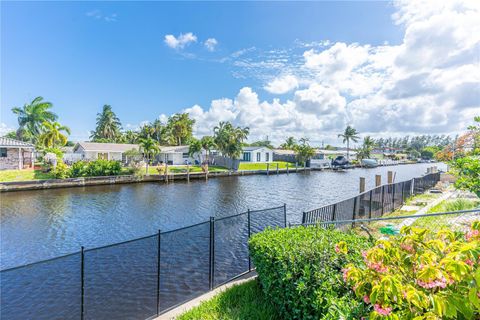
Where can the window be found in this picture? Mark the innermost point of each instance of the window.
(3, 152)
(246, 156)
(185, 155)
(258, 156)
(267, 156)
(102, 155)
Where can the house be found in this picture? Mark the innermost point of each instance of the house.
(320, 154)
(107, 151)
(15, 154)
(177, 155)
(257, 154)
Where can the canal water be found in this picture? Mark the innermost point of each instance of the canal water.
(38, 225)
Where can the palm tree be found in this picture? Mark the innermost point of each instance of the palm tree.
(195, 148)
(366, 149)
(229, 139)
(349, 134)
(208, 143)
(108, 126)
(53, 136)
(289, 144)
(149, 149)
(304, 151)
(180, 127)
(130, 136)
(31, 118)
(159, 130)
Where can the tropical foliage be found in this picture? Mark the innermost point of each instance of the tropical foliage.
(108, 127)
(229, 139)
(468, 172)
(95, 168)
(350, 134)
(419, 275)
(365, 151)
(150, 148)
(303, 151)
(299, 270)
(289, 144)
(180, 128)
(52, 136)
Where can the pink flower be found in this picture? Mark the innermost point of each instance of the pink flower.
(384, 311)
(472, 234)
(469, 262)
(337, 249)
(345, 274)
(407, 247)
(366, 299)
(430, 284)
(377, 266)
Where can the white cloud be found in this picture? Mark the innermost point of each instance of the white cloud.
(99, 15)
(4, 129)
(181, 41)
(210, 44)
(427, 83)
(282, 85)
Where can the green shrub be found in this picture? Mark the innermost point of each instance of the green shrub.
(96, 168)
(300, 271)
(61, 171)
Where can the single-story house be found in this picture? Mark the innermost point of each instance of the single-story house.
(15, 154)
(177, 155)
(257, 154)
(107, 151)
(320, 154)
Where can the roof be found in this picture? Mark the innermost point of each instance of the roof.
(283, 151)
(254, 148)
(105, 147)
(174, 149)
(7, 142)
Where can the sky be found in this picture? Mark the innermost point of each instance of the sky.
(302, 69)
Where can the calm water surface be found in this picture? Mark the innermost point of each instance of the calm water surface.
(37, 225)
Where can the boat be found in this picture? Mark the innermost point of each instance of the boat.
(369, 163)
(340, 162)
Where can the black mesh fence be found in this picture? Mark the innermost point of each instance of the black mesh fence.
(136, 279)
(374, 203)
(46, 290)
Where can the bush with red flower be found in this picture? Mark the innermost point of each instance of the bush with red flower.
(419, 275)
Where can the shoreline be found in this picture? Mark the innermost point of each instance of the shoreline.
(28, 185)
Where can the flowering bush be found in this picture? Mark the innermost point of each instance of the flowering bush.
(420, 275)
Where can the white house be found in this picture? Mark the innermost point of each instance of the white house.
(257, 154)
(15, 154)
(177, 155)
(108, 151)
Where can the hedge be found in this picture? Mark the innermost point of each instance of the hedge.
(301, 272)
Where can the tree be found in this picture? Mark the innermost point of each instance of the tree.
(467, 171)
(180, 128)
(289, 144)
(130, 136)
(229, 139)
(208, 143)
(304, 151)
(150, 149)
(159, 131)
(475, 132)
(350, 134)
(366, 149)
(11, 135)
(52, 136)
(108, 126)
(195, 148)
(262, 143)
(31, 118)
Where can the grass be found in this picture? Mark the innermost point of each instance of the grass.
(263, 166)
(446, 206)
(24, 175)
(243, 301)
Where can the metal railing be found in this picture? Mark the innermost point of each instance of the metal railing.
(136, 279)
(372, 203)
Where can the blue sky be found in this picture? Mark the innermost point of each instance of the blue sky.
(81, 55)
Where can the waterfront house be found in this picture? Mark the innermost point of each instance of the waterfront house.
(320, 154)
(257, 154)
(177, 155)
(107, 151)
(15, 154)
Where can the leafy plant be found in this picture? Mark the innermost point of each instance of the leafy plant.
(420, 275)
(468, 172)
(61, 170)
(300, 271)
(95, 168)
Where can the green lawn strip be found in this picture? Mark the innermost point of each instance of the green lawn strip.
(244, 166)
(183, 169)
(243, 301)
(24, 175)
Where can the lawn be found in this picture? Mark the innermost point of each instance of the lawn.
(183, 169)
(244, 301)
(263, 166)
(24, 175)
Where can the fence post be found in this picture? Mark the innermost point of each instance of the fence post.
(268, 169)
(82, 276)
(304, 217)
(212, 252)
(277, 167)
(370, 205)
(296, 167)
(285, 213)
(393, 197)
(403, 192)
(188, 172)
(287, 169)
(158, 273)
(334, 211)
(383, 200)
(249, 233)
(354, 209)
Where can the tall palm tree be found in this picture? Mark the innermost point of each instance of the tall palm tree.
(159, 130)
(229, 139)
(289, 144)
(195, 148)
(208, 143)
(31, 118)
(350, 134)
(150, 149)
(180, 126)
(53, 136)
(108, 126)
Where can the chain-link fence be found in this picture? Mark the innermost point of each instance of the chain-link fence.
(373, 203)
(136, 279)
